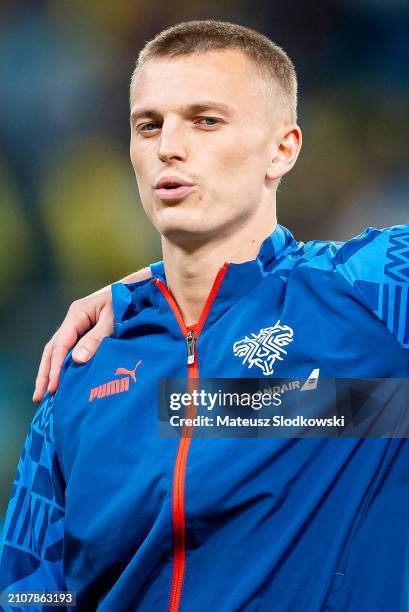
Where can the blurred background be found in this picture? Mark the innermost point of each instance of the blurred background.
(70, 215)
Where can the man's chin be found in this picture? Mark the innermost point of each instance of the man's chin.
(186, 236)
(177, 232)
(178, 223)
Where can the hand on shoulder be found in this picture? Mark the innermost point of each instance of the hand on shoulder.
(87, 322)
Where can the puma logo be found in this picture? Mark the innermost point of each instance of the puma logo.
(119, 385)
(130, 373)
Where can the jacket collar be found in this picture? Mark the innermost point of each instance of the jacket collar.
(130, 299)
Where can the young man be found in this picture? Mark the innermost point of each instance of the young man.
(101, 505)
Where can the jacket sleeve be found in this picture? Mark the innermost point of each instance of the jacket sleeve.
(32, 551)
(376, 264)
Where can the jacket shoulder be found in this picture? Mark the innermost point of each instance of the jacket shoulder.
(375, 255)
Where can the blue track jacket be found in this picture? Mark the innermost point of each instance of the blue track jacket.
(103, 506)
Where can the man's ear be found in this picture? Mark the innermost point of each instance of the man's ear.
(288, 145)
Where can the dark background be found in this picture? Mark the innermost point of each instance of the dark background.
(70, 215)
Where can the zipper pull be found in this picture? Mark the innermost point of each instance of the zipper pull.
(190, 345)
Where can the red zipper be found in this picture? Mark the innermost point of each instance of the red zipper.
(191, 334)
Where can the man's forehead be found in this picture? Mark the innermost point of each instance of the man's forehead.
(203, 78)
(225, 60)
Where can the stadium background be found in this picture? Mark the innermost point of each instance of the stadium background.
(70, 216)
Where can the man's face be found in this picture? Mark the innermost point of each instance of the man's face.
(202, 128)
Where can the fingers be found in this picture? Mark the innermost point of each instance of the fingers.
(58, 355)
(76, 323)
(88, 345)
(81, 316)
(43, 371)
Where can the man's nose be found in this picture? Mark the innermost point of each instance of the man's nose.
(172, 144)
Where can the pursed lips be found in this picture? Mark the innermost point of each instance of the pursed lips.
(173, 188)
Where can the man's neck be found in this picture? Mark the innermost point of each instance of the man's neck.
(190, 274)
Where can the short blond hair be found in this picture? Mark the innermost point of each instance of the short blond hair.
(192, 37)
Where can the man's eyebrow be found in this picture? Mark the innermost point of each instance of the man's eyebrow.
(188, 109)
(200, 107)
(144, 112)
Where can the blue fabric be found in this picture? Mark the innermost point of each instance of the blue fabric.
(271, 524)
(157, 269)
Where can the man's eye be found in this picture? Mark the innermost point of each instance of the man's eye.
(148, 127)
(210, 121)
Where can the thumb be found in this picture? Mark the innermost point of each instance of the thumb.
(89, 343)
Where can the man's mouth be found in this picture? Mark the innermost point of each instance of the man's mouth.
(172, 188)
